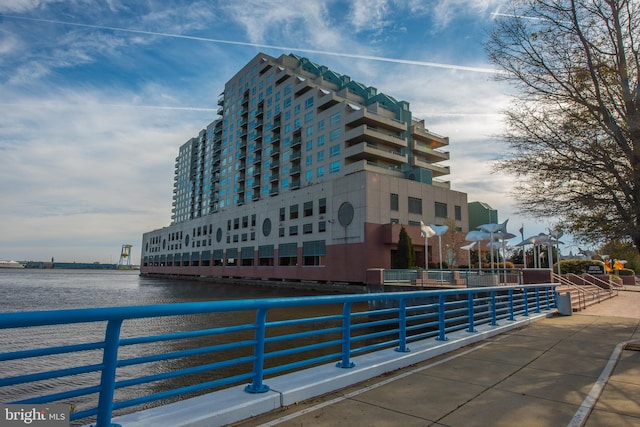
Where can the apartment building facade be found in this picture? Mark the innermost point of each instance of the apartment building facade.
(305, 175)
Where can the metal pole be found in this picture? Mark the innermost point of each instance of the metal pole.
(108, 375)
(258, 364)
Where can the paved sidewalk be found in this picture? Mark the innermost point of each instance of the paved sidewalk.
(550, 373)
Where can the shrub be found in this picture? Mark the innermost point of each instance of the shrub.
(577, 266)
(627, 272)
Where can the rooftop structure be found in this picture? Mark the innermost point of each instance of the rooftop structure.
(306, 175)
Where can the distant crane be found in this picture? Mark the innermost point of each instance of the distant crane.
(125, 258)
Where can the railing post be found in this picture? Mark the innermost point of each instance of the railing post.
(470, 312)
(258, 363)
(493, 308)
(548, 297)
(441, 319)
(537, 299)
(108, 375)
(511, 316)
(526, 301)
(346, 337)
(402, 327)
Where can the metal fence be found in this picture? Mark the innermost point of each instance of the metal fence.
(453, 278)
(261, 342)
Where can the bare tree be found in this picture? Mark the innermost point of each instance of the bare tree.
(573, 131)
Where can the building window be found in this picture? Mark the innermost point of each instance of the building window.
(322, 226)
(293, 212)
(322, 206)
(309, 103)
(308, 209)
(458, 213)
(313, 252)
(334, 119)
(282, 214)
(393, 202)
(293, 230)
(307, 228)
(415, 205)
(441, 210)
(288, 254)
(334, 167)
(265, 255)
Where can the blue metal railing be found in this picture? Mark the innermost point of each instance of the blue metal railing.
(262, 341)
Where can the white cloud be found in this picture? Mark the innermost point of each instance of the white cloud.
(24, 5)
(74, 165)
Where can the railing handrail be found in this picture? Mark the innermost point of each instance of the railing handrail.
(567, 282)
(610, 284)
(85, 315)
(471, 307)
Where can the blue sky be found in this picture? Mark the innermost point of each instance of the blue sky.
(96, 97)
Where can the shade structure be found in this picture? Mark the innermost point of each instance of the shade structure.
(426, 232)
(556, 234)
(536, 241)
(492, 229)
(439, 230)
(468, 249)
(477, 236)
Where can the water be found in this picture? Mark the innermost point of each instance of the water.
(34, 289)
(47, 289)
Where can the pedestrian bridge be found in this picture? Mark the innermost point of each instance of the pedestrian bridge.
(246, 367)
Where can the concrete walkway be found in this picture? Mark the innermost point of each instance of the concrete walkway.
(559, 371)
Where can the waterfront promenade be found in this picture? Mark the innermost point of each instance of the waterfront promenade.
(558, 371)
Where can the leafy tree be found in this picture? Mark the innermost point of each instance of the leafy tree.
(573, 130)
(405, 255)
(452, 241)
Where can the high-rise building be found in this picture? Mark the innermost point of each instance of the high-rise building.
(305, 175)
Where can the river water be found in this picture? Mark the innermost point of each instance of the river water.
(51, 289)
(34, 289)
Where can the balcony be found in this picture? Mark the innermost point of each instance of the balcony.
(365, 133)
(326, 100)
(367, 151)
(431, 139)
(282, 78)
(427, 153)
(301, 86)
(362, 116)
(436, 170)
(371, 166)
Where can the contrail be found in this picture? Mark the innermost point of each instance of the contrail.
(266, 46)
(155, 107)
